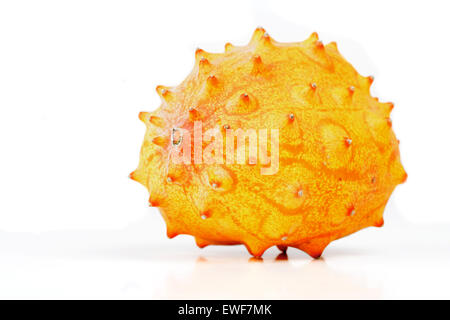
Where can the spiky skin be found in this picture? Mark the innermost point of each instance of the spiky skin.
(339, 158)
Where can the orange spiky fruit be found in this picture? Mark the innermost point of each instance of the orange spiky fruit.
(338, 158)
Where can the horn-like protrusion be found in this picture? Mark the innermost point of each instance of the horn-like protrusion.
(156, 121)
(261, 39)
(177, 173)
(206, 214)
(161, 141)
(351, 90)
(379, 223)
(332, 45)
(319, 45)
(366, 82)
(171, 233)
(204, 66)
(389, 122)
(194, 114)
(351, 211)
(210, 87)
(138, 176)
(257, 65)
(241, 103)
(228, 47)
(390, 105)
(291, 117)
(257, 35)
(199, 53)
(314, 247)
(315, 50)
(204, 62)
(144, 116)
(201, 243)
(256, 248)
(218, 179)
(386, 107)
(292, 86)
(212, 81)
(348, 142)
(245, 99)
(405, 177)
(164, 93)
(153, 201)
(313, 38)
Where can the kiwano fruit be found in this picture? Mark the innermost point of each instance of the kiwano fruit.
(327, 168)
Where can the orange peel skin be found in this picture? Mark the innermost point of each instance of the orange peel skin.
(339, 159)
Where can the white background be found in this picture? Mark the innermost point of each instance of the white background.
(75, 74)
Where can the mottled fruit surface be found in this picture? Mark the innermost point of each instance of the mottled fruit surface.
(338, 158)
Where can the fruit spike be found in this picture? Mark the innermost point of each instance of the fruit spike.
(157, 121)
(212, 81)
(338, 156)
(257, 67)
